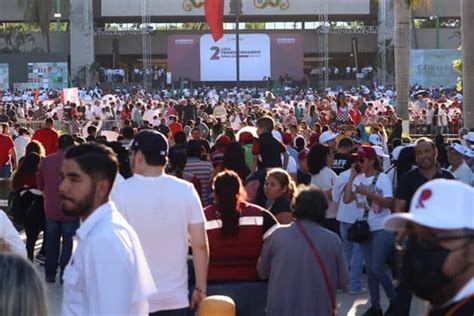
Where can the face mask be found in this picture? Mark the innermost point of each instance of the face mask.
(422, 268)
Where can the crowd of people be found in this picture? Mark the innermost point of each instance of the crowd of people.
(277, 202)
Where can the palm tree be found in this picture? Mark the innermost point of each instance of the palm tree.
(41, 12)
(467, 25)
(403, 28)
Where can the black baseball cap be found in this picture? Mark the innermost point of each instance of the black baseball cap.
(151, 143)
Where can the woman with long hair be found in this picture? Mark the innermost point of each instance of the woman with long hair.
(342, 113)
(279, 188)
(234, 159)
(31, 200)
(23, 293)
(235, 230)
(372, 191)
(320, 160)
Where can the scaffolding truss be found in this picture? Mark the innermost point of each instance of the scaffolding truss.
(146, 45)
(383, 40)
(323, 41)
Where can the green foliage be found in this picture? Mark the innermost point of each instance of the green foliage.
(457, 65)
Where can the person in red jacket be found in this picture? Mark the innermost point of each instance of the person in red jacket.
(47, 136)
(236, 230)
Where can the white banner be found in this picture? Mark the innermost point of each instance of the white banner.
(249, 7)
(218, 59)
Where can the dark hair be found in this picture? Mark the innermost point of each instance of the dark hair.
(317, 157)
(179, 137)
(346, 142)
(123, 159)
(300, 143)
(28, 166)
(234, 159)
(310, 203)
(228, 189)
(91, 129)
(96, 160)
(65, 141)
(177, 158)
(338, 102)
(127, 132)
(266, 123)
(35, 147)
(405, 161)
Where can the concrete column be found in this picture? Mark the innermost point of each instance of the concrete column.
(82, 40)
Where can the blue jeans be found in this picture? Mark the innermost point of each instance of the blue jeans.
(375, 253)
(55, 231)
(353, 258)
(6, 171)
(250, 297)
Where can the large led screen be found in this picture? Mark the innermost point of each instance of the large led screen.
(218, 59)
(200, 58)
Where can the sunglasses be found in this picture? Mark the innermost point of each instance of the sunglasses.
(361, 160)
(430, 241)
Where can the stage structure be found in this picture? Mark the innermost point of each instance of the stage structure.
(323, 38)
(146, 45)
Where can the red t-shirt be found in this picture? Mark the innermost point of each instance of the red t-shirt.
(175, 127)
(6, 146)
(48, 137)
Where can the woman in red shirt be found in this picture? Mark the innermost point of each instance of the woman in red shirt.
(236, 230)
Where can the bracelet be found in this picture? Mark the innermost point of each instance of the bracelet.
(199, 290)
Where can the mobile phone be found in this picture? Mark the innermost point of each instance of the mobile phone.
(357, 168)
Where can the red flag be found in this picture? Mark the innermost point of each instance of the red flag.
(214, 10)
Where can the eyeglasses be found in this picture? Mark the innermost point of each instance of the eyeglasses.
(361, 160)
(430, 241)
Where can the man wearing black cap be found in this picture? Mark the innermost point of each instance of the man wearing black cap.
(164, 210)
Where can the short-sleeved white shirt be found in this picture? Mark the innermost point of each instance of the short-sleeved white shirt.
(383, 186)
(325, 180)
(160, 210)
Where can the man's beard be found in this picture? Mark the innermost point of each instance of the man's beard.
(81, 207)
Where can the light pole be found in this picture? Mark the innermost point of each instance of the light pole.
(58, 15)
(236, 8)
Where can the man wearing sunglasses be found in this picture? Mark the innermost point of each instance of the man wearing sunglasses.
(436, 239)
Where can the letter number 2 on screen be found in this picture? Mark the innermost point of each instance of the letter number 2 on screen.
(216, 50)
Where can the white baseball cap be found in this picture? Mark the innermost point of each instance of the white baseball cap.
(379, 152)
(375, 139)
(439, 204)
(326, 137)
(469, 137)
(459, 148)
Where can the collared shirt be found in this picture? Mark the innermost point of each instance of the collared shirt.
(108, 273)
(412, 180)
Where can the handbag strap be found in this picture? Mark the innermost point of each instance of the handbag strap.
(320, 262)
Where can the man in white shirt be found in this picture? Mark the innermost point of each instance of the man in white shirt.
(21, 142)
(108, 273)
(458, 166)
(167, 214)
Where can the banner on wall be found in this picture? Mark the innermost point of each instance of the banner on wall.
(430, 67)
(49, 75)
(4, 77)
